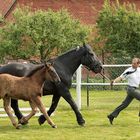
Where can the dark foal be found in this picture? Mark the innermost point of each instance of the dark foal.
(28, 88)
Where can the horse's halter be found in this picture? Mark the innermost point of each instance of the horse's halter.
(87, 61)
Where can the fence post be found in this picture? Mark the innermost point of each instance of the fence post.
(88, 88)
(78, 87)
(103, 61)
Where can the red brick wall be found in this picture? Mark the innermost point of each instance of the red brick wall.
(5, 6)
(85, 10)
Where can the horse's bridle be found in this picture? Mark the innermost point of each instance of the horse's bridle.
(84, 62)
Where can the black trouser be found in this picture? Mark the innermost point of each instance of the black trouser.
(132, 93)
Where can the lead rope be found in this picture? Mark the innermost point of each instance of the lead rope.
(111, 85)
(105, 76)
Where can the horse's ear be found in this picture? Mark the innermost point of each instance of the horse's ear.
(43, 62)
(84, 44)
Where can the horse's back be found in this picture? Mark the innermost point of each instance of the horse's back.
(16, 69)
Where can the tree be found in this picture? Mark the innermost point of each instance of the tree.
(41, 33)
(1, 18)
(118, 27)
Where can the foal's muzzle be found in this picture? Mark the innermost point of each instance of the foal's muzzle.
(57, 80)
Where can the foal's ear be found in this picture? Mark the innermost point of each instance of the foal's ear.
(48, 64)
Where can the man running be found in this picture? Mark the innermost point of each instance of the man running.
(132, 75)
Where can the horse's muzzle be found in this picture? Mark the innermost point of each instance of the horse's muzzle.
(98, 69)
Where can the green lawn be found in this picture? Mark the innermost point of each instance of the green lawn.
(126, 126)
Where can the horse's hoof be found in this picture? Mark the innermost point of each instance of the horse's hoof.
(18, 126)
(41, 120)
(54, 126)
(23, 121)
(82, 122)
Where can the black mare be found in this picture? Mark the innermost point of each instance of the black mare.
(65, 65)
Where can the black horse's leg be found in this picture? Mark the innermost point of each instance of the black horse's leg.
(14, 105)
(54, 104)
(73, 105)
(64, 92)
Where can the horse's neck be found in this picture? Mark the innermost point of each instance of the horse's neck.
(39, 76)
(71, 61)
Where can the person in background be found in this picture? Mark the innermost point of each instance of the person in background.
(132, 75)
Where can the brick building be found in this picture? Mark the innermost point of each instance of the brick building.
(85, 10)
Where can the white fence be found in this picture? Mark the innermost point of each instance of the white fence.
(25, 112)
(79, 83)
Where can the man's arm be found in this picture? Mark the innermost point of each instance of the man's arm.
(118, 79)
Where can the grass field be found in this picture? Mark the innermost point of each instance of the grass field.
(126, 126)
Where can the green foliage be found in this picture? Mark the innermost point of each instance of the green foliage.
(119, 25)
(1, 18)
(41, 32)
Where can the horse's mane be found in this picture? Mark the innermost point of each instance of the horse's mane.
(76, 49)
(69, 52)
(34, 70)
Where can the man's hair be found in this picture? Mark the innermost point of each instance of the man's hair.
(136, 59)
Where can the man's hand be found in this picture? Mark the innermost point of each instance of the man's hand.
(111, 83)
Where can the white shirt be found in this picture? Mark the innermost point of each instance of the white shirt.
(133, 78)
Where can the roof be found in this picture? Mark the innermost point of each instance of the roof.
(5, 6)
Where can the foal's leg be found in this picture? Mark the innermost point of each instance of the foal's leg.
(33, 112)
(54, 104)
(7, 107)
(42, 108)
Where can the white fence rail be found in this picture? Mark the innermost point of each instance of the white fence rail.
(25, 112)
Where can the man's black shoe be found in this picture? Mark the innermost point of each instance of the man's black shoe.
(110, 117)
